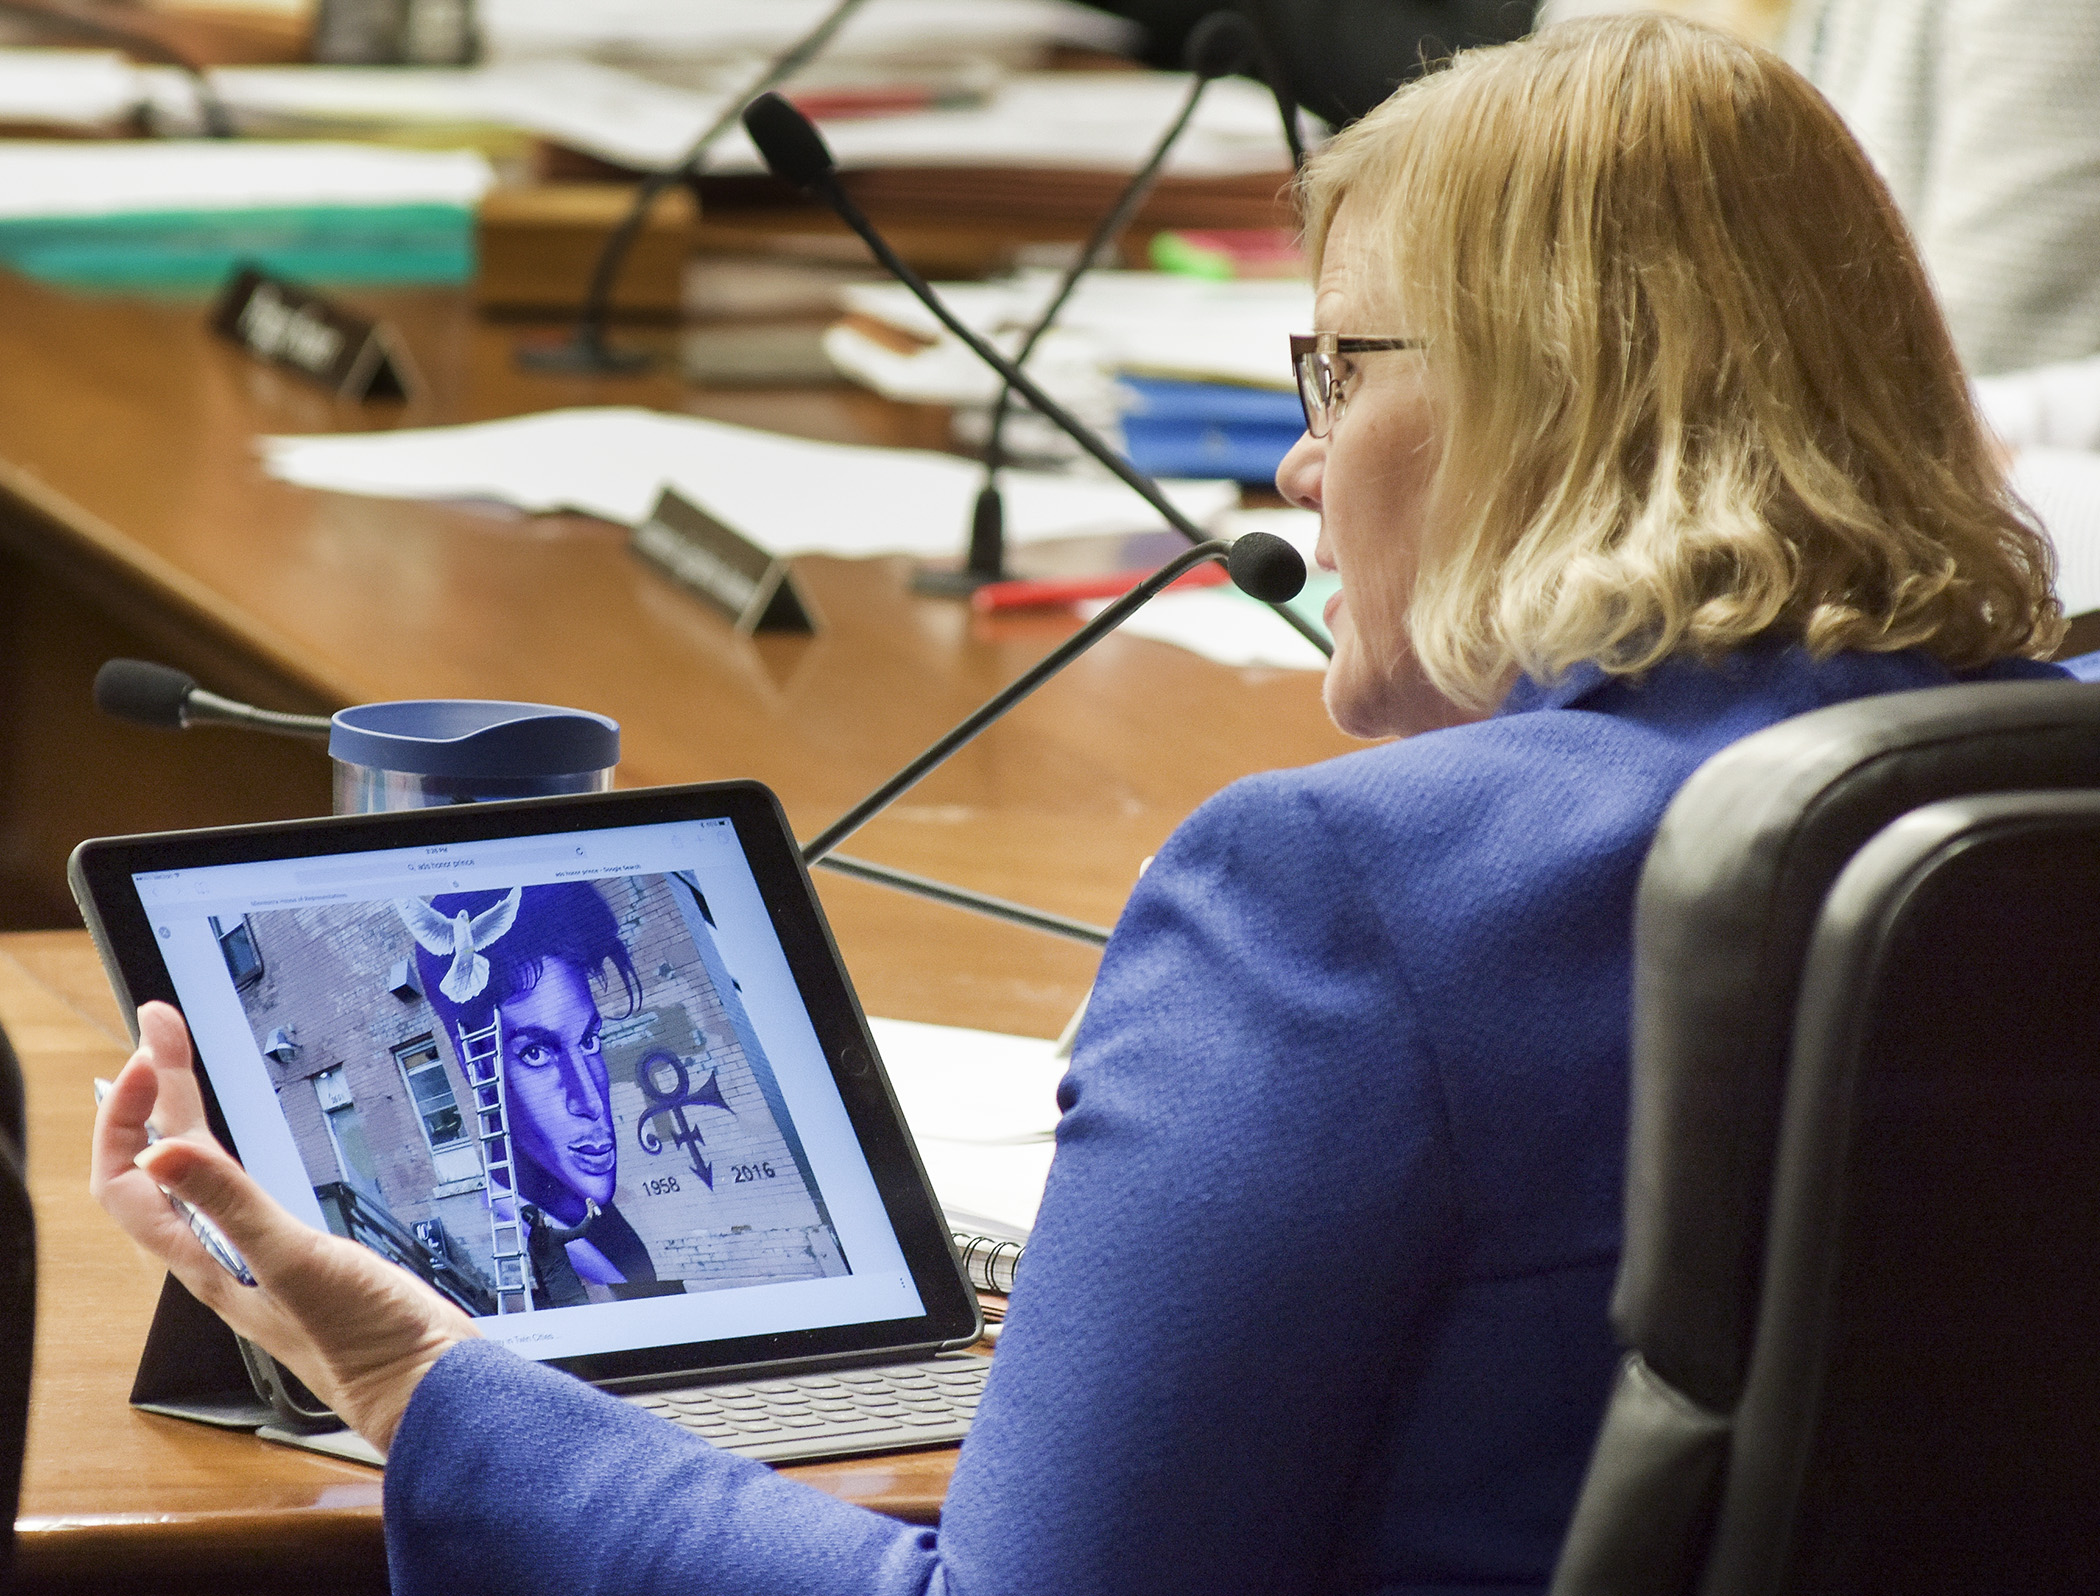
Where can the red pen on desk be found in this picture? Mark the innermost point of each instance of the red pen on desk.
(1051, 591)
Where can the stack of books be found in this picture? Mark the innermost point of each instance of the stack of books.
(178, 213)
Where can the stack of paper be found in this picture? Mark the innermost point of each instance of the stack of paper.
(2062, 486)
(1223, 624)
(789, 495)
(701, 34)
(181, 212)
(1151, 324)
(1076, 122)
(88, 90)
(982, 1107)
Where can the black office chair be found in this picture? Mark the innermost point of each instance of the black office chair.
(17, 1295)
(1727, 1465)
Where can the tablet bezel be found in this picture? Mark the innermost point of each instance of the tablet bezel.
(101, 872)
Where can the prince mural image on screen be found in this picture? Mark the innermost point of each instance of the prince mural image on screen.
(642, 1147)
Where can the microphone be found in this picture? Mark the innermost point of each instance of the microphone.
(159, 695)
(796, 152)
(1259, 563)
(587, 350)
(1218, 47)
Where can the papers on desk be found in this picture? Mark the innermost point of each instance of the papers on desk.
(1224, 625)
(2062, 486)
(180, 212)
(87, 89)
(71, 178)
(789, 495)
(1067, 121)
(1139, 324)
(707, 31)
(1144, 323)
(982, 1107)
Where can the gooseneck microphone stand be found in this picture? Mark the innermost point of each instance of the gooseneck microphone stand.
(1260, 564)
(1219, 46)
(796, 152)
(587, 350)
(1255, 563)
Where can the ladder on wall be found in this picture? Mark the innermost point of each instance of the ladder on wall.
(481, 1058)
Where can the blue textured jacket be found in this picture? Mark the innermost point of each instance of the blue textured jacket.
(1317, 1296)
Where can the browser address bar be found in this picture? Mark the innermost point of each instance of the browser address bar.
(408, 870)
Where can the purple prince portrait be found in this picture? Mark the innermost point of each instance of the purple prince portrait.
(534, 958)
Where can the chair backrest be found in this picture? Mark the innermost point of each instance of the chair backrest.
(17, 1294)
(1922, 1412)
(1740, 868)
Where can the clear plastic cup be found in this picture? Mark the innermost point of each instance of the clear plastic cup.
(422, 753)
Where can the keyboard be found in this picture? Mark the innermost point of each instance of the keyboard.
(840, 1414)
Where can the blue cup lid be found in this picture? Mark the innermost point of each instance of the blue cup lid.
(474, 737)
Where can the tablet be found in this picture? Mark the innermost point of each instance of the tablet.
(589, 1066)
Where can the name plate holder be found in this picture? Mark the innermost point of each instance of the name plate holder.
(303, 331)
(756, 590)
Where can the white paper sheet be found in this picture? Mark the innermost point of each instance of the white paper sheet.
(1073, 121)
(122, 177)
(738, 27)
(68, 88)
(982, 1107)
(1147, 323)
(2063, 488)
(1224, 625)
(788, 495)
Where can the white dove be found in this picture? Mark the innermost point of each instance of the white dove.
(461, 937)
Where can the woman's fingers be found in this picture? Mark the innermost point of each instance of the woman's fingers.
(120, 1123)
(204, 1175)
(360, 1330)
(164, 1041)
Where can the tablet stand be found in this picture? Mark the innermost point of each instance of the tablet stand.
(193, 1367)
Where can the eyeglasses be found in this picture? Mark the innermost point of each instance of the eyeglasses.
(1321, 389)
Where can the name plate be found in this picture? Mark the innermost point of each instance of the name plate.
(756, 590)
(299, 329)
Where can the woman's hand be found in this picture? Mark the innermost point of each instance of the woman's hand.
(360, 1331)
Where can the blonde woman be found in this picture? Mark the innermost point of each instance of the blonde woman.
(1633, 429)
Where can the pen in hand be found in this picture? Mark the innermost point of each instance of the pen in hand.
(208, 1235)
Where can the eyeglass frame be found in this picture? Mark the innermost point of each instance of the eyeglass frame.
(1318, 400)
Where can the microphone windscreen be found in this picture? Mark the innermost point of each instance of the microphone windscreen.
(792, 147)
(137, 690)
(1263, 566)
(1218, 46)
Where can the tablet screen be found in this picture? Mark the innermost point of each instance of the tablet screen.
(567, 1078)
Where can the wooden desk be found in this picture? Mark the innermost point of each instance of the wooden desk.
(134, 519)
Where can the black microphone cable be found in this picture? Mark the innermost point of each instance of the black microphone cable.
(1274, 76)
(587, 350)
(1220, 45)
(796, 152)
(211, 110)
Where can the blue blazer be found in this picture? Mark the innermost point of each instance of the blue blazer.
(1317, 1296)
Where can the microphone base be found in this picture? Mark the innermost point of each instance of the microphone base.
(578, 357)
(947, 581)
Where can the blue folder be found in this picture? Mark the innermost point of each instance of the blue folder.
(1207, 429)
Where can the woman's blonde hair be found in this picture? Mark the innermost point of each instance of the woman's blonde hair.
(1695, 388)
